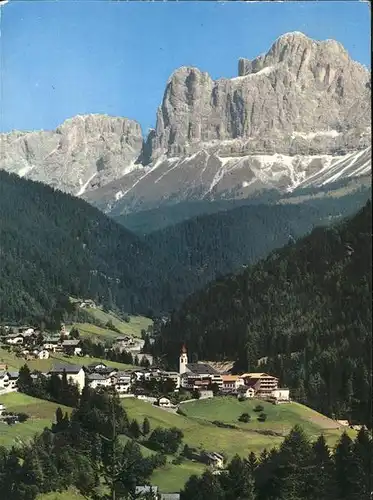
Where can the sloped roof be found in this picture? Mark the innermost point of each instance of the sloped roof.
(201, 368)
(230, 378)
(60, 368)
(97, 376)
(67, 343)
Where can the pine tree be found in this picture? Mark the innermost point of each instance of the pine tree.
(146, 426)
(24, 379)
(135, 429)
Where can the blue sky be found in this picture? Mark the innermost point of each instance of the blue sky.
(64, 58)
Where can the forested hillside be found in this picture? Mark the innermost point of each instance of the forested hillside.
(211, 246)
(307, 307)
(53, 245)
(342, 197)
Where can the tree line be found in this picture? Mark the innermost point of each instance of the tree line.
(297, 470)
(84, 450)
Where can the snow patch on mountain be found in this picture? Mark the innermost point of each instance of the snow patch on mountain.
(25, 170)
(84, 186)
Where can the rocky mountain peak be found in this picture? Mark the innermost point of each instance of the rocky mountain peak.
(299, 86)
(83, 152)
(296, 115)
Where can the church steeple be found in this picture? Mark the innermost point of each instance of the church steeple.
(183, 360)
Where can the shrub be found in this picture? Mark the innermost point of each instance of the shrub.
(22, 417)
(223, 425)
(262, 417)
(245, 417)
(259, 408)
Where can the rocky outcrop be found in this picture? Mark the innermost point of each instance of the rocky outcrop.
(83, 153)
(302, 97)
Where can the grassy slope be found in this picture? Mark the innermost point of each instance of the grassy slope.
(134, 327)
(42, 413)
(45, 364)
(70, 494)
(172, 478)
(200, 432)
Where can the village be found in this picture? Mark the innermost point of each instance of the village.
(144, 381)
(166, 390)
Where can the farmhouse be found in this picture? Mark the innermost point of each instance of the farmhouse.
(96, 367)
(174, 376)
(145, 491)
(14, 339)
(74, 373)
(95, 380)
(51, 343)
(41, 354)
(4, 380)
(72, 347)
(87, 303)
(122, 382)
(164, 402)
(205, 394)
(13, 379)
(214, 459)
(148, 357)
(280, 396)
(246, 392)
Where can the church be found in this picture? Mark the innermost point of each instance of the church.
(196, 375)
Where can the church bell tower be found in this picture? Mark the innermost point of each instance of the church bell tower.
(183, 360)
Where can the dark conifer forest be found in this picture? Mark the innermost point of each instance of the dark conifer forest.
(304, 311)
(53, 246)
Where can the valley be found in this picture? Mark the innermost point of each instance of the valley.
(185, 313)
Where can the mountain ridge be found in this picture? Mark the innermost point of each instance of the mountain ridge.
(299, 109)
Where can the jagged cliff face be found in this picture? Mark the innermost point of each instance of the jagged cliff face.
(297, 116)
(301, 97)
(84, 153)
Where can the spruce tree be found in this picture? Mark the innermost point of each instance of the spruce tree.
(344, 465)
(239, 481)
(362, 470)
(320, 479)
(146, 426)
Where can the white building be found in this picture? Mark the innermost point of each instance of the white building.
(164, 402)
(4, 380)
(95, 380)
(122, 382)
(280, 395)
(74, 373)
(205, 394)
(246, 392)
(43, 354)
(174, 376)
(232, 382)
(14, 339)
